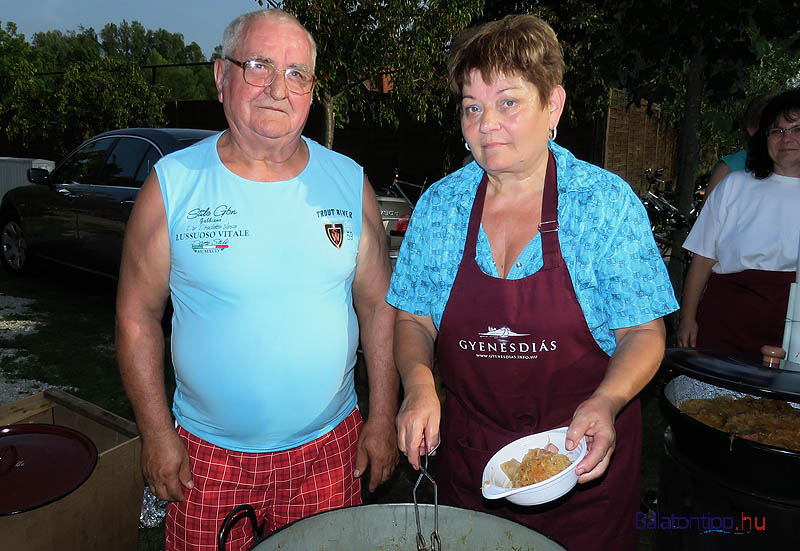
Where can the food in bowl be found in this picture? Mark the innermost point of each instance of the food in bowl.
(770, 422)
(496, 484)
(538, 465)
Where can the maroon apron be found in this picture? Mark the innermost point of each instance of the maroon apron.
(517, 357)
(741, 312)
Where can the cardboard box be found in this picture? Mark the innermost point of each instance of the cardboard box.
(103, 513)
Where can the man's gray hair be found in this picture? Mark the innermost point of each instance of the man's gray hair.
(233, 32)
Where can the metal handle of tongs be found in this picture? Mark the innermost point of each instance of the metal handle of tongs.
(436, 543)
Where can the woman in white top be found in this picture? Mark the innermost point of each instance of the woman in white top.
(745, 243)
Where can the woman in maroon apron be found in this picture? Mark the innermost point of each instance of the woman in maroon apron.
(516, 356)
(745, 244)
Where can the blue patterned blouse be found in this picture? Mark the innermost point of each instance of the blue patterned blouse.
(618, 275)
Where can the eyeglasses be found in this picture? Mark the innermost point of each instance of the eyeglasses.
(260, 72)
(777, 133)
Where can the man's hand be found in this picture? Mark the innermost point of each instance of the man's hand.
(377, 446)
(165, 464)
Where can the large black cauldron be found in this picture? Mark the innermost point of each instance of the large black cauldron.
(718, 491)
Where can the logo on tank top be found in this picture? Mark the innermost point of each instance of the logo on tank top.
(337, 225)
(335, 233)
(209, 230)
(504, 343)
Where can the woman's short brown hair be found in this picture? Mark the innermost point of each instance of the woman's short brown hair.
(521, 45)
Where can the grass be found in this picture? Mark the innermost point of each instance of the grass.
(74, 348)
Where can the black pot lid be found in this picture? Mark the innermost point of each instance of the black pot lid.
(40, 463)
(726, 371)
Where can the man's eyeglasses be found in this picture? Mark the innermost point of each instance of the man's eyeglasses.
(260, 72)
(777, 133)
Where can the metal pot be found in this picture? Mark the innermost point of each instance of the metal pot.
(393, 526)
(764, 470)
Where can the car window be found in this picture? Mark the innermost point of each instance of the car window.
(123, 162)
(83, 166)
(146, 166)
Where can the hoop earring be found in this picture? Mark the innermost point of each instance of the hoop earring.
(553, 133)
(466, 145)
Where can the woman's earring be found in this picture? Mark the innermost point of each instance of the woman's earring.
(466, 145)
(553, 133)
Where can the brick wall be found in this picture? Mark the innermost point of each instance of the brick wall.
(636, 141)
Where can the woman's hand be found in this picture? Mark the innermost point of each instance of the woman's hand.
(634, 362)
(419, 415)
(687, 332)
(420, 412)
(696, 280)
(594, 419)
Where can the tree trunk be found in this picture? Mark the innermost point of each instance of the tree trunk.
(330, 123)
(688, 153)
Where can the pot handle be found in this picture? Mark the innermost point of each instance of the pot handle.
(234, 517)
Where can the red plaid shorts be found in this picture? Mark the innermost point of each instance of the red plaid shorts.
(281, 486)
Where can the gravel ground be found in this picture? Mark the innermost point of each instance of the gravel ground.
(14, 389)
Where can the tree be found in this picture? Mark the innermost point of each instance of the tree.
(56, 50)
(690, 54)
(183, 83)
(126, 41)
(700, 61)
(583, 28)
(14, 52)
(364, 42)
(86, 100)
(131, 41)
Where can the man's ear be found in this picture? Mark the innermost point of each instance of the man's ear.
(219, 76)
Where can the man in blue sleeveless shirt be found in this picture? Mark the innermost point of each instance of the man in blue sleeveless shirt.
(273, 252)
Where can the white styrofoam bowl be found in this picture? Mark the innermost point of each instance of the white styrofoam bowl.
(496, 484)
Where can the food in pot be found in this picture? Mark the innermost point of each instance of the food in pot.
(770, 422)
(537, 465)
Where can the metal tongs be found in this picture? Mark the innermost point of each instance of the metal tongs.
(436, 543)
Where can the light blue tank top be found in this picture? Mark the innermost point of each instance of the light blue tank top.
(264, 333)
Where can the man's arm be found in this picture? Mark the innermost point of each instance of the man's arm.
(378, 442)
(141, 298)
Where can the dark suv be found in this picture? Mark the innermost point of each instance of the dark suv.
(76, 215)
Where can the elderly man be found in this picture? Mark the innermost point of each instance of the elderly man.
(273, 251)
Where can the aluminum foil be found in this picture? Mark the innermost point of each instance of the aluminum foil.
(683, 388)
(154, 510)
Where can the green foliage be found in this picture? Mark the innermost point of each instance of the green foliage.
(87, 99)
(56, 50)
(583, 29)
(15, 56)
(183, 83)
(361, 42)
(100, 85)
(131, 41)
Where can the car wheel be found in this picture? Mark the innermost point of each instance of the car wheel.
(14, 247)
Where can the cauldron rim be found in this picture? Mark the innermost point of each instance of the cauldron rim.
(724, 371)
(424, 508)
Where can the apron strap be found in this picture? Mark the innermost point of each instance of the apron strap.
(548, 227)
(475, 218)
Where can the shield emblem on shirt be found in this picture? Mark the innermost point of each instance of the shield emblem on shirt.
(335, 233)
